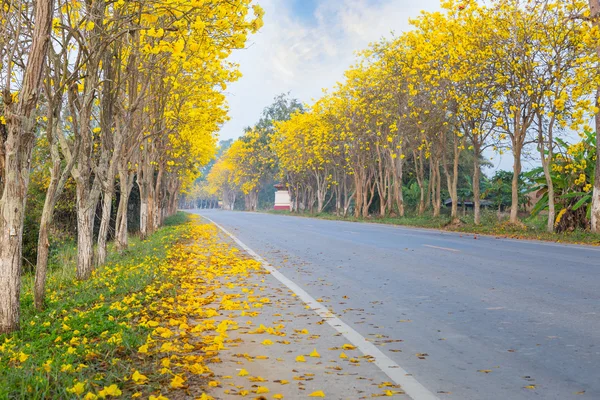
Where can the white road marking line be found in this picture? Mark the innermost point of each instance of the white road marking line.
(396, 373)
(442, 248)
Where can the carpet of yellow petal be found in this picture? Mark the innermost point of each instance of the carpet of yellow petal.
(156, 325)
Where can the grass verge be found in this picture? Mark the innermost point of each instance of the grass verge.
(531, 229)
(85, 343)
(142, 326)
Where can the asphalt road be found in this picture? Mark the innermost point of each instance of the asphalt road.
(469, 318)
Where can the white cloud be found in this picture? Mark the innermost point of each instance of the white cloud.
(303, 55)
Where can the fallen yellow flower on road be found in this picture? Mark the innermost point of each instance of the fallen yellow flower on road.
(243, 372)
(318, 393)
(262, 389)
(300, 358)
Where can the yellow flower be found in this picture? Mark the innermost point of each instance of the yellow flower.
(139, 378)
(177, 382)
(47, 365)
(110, 391)
(77, 389)
(559, 216)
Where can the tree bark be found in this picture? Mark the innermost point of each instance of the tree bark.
(85, 233)
(58, 178)
(476, 188)
(514, 207)
(125, 186)
(20, 121)
(104, 225)
(595, 211)
(546, 165)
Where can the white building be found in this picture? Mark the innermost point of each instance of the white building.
(282, 198)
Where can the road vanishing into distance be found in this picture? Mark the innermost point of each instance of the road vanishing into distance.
(468, 317)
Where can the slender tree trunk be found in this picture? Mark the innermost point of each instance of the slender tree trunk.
(595, 211)
(143, 216)
(398, 193)
(43, 249)
(85, 233)
(104, 225)
(125, 186)
(158, 191)
(514, 207)
(359, 193)
(476, 188)
(452, 178)
(420, 175)
(436, 188)
(57, 182)
(546, 145)
(121, 224)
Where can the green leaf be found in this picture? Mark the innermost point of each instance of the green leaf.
(581, 202)
(574, 194)
(540, 205)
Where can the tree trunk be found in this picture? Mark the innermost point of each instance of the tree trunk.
(476, 189)
(41, 267)
(143, 217)
(436, 188)
(104, 225)
(158, 199)
(595, 211)
(55, 187)
(20, 120)
(85, 234)
(125, 186)
(543, 146)
(11, 234)
(398, 175)
(514, 207)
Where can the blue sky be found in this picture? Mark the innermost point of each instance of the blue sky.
(304, 9)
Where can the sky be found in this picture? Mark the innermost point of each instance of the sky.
(306, 45)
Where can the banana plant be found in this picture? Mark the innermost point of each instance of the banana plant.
(573, 179)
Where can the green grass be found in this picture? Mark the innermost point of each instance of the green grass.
(80, 332)
(531, 228)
